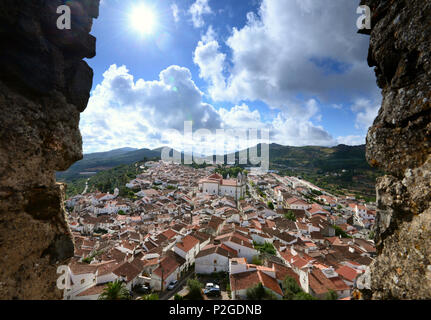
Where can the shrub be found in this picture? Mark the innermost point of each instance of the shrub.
(340, 232)
(256, 261)
(303, 296)
(265, 248)
(115, 291)
(292, 291)
(290, 216)
(258, 292)
(178, 297)
(195, 290)
(331, 295)
(271, 205)
(153, 296)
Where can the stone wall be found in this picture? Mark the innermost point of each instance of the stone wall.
(44, 85)
(399, 142)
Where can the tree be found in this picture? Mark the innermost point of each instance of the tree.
(331, 295)
(267, 247)
(195, 290)
(258, 292)
(290, 216)
(292, 291)
(153, 296)
(303, 296)
(115, 291)
(271, 205)
(290, 287)
(178, 297)
(340, 232)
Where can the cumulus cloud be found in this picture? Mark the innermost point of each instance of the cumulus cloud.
(288, 53)
(197, 10)
(210, 60)
(241, 117)
(366, 111)
(288, 130)
(122, 111)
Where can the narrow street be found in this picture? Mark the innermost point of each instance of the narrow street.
(166, 295)
(86, 186)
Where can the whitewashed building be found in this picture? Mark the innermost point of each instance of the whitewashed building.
(216, 185)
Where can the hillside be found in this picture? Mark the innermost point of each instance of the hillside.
(341, 169)
(102, 161)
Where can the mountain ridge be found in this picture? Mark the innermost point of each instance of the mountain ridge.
(336, 168)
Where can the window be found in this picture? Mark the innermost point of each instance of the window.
(82, 281)
(215, 261)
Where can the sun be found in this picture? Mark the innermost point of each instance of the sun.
(143, 19)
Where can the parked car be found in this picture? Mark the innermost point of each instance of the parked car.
(212, 292)
(211, 285)
(172, 284)
(143, 289)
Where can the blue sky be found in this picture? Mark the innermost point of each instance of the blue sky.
(295, 67)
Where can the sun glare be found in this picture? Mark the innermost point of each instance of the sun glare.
(143, 19)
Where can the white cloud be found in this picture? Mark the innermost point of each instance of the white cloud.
(210, 60)
(124, 111)
(197, 10)
(292, 48)
(351, 140)
(288, 130)
(210, 35)
(241, 117)
(367, 111)
(175, 12)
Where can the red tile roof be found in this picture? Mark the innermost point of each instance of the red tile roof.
(187, 243)
(169, 233)
(282, 271)
(269, 282)
(127, 270)
(168, 264)
(219, 249)
(347, 273)
(94, 290)
(249, 279)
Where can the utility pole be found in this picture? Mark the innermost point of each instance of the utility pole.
(162, 282)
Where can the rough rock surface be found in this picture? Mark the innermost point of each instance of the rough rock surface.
(44, 85)
(399, 142)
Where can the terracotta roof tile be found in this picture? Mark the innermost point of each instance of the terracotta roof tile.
(187, 243)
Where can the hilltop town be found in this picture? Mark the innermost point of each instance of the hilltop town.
(230, 233)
